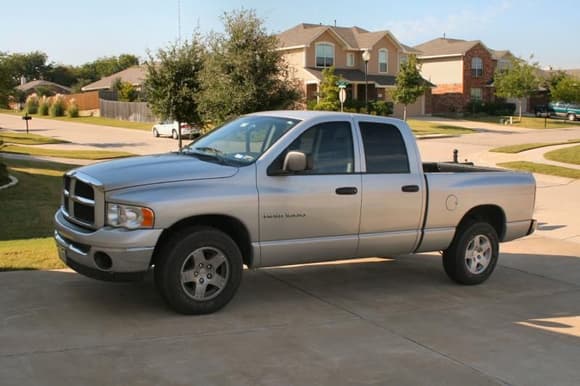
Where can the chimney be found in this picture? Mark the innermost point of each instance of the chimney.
(443, 35)
(335, 22)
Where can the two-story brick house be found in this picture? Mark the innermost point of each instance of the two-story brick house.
(461, 70)
(310, 48)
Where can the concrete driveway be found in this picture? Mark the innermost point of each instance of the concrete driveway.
(373, 321)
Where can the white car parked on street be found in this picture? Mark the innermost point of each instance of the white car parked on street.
(169, 129)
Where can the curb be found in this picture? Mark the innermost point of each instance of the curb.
(13, 181)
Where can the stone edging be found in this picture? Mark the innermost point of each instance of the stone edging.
(13, 181)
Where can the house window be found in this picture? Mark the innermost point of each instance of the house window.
(476, 67)
(383, 60)
(324, 55)
(476, 94)
(350, 59)
(403, 59)
(503, 64)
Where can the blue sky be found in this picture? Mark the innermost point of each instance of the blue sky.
(75, 32)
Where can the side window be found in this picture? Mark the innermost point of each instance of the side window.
(328, 146)
(385, 150)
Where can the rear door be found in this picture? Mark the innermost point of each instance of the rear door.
(393, 191)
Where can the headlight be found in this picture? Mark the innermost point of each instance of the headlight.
(130, 217)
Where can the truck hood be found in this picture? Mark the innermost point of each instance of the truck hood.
(153, 169)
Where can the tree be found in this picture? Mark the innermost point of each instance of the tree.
(31, 66)
(409, 85)
(172, 85)
(329, 91)
(519, 80)
(566, 90)
(244, 72)
(126, 92)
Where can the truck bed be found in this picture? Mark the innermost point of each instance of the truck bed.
(454, 167)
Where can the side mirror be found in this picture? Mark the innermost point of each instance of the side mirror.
(295, 161)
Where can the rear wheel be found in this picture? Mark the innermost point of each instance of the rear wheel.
(155, 133)
(199, 271)
(571, 117)
(174, 134)
(472, 256)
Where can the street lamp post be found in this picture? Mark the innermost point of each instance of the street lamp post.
(366, 56)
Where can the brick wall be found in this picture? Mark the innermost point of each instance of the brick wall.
(480, 82)
(447, 103)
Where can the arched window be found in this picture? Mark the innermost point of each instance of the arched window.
(324, 55)
(476, 67)
(383, 60)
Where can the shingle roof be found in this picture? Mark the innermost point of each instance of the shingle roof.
(134, 75)
(446, 46)
(42, 83)
(499, 54)
(353, 37)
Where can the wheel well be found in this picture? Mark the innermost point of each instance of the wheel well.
(491, 214)
(229, 225)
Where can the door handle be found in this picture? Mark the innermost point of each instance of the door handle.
(410, 188)
(346, 190)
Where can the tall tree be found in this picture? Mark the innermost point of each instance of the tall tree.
(328, 91)
(567, 89)
(172, 84)
(519, 80)
(409, 85)
(31, 65)
(244, 72)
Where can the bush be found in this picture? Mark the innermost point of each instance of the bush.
(490, 108)
(311, 104)
(43, 106)
(57, 107)
(31, 106)
(73, 109)
(383, 108)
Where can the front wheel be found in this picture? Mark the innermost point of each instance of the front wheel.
(174, 134)
(473, 254)
(199, 270)
(155, 133)
(571, 117)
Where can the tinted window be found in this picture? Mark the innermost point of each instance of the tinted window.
(385, 150)
(328, 147)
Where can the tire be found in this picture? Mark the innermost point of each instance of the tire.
(199, 270)
(571, 117)
(155, 133)
(473, 254)
(174, 134)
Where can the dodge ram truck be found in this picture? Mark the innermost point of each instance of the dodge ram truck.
(284, 187)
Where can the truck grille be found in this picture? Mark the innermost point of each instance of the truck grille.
(78, 201)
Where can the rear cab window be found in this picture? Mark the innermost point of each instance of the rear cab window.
(384, 148)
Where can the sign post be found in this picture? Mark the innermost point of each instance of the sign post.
(26, 118)
(342, 93)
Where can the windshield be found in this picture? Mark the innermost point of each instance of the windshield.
(242, 140)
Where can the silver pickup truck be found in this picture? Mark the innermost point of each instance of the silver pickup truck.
(279, 188)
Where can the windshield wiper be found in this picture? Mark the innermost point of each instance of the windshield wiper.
(209, 152)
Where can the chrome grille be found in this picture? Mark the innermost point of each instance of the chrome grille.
(78, 201)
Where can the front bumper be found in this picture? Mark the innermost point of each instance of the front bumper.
(130, 251)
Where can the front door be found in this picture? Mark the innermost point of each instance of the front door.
(312, 215)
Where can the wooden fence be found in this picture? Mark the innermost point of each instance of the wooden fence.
(128, 111)
(85, 101)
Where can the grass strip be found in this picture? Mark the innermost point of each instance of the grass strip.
(28, 139)
(424, 127)
(534, 167)
(74, 154)
(512, 149)
(570, 155)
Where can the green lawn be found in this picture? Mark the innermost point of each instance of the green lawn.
(542, 169)
(27, 139)
(527, 122)
(423, 128)
(27, 210)
(74, 154)
(92, 120)
(512, 149)
(569, 155)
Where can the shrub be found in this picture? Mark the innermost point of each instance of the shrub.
(31, 106)
(491, 108)
(383, 108)
(57, 107)
(311, 104)
(73, 109)
(43, 106)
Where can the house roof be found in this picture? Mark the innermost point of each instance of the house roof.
(500, 54)
(134, 75)
(354, 38)
(446, 47)
(34, 84)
